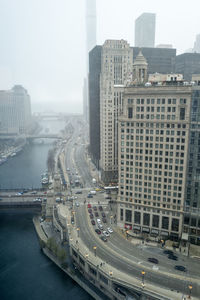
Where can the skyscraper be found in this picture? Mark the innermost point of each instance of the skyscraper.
(116, 68)
(145, 30)
(154, 132)
(197, 44)
(90, 43)
(15, 111)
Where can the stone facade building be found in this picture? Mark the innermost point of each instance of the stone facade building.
(15, 111)
(153, 149)
(116, 69)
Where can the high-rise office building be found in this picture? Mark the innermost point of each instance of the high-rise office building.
(116, 69)
(15, 111)
(191, 223)
(188, 64)
(154, 132)
(145, 30)
(90, 43)
(197, 44)
(94, 103)
(159, 60)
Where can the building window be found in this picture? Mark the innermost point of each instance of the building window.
(128, 216)
(121, 214)
(146, 219)
(137, 216)
(182, 113)
(175, 224)
(155, 222)
(165, 223)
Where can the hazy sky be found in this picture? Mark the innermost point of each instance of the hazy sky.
(43, 41)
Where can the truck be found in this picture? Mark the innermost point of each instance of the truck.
(94, 181)
(93, 192)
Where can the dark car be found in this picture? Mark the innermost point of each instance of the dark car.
(79, 192)
(103, 238)
(93, 222)
(95, 208)
(168, 252)
(98, 231)
(174, 257)
(96, 214)
(100, 208)
(91, 216)
(104, 220)
(103, 214)
(180, 268)
(153, 260)
(90, 210)
(89, 196)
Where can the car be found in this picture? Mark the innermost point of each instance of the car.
(180, 268)
(174, 257)
(100, 208)
(103, 214)
(104, 220)
(90, 210)
(153, 260)
(109, 229)
(91, 216)
(98, 221)
(96, 214)
(79, 192)
(100, 226)
(103, 238)
(33, 192)
(89, 196)
(98, 231)
(95, 208)
(77, 204)
(93, 222)
(108, 197)
(89, 205)
(106, 233)
(169, 252)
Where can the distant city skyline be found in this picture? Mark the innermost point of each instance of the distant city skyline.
(43, 44)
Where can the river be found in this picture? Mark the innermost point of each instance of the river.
(25, 272)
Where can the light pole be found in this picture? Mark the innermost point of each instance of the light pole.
(86, 256)
(127, 234)
(110, 273)
(190, 290)
(143, 274)
(78, 230)
(95, 250)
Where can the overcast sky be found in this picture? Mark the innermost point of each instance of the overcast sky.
(43, 42)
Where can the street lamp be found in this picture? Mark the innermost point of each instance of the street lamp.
(78, 230)
(127, 234)
(86, 256)
(190, 290)
(95, 250)
(143, 274)
(110, 273)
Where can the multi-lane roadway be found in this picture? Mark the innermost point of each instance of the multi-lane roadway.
(118, 252)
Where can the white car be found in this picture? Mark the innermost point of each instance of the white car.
(100, 226)
(98, 221)
(109, 229)
(106, 233)
(77, 204)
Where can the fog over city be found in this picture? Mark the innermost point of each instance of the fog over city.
(43, 43)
